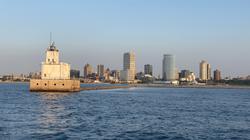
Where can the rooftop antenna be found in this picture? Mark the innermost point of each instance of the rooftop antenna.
(52, 44)
(50, 38)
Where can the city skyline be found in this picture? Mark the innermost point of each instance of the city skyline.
(215, 31)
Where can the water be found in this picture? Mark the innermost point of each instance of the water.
(136, 113)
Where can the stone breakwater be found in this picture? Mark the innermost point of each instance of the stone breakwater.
(164, 86)
(104, 87)
(43, 85)
(191, 86)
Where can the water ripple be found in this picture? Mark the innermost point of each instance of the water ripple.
(138, 113)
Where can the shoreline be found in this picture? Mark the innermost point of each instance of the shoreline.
(192, 86)
(150, 86)
(12, 82)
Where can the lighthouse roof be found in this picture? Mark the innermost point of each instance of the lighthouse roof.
(52, 47)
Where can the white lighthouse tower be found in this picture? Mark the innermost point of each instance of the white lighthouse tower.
(52, 68)
(55, 75)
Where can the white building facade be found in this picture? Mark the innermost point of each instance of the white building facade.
(205, 71)
(52, 68)
(168, 67)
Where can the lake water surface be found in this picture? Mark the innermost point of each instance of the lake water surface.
(135, 113)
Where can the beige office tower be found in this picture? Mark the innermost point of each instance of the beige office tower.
(87, 70)
(129, 67)
(209, 73)
(205, 71)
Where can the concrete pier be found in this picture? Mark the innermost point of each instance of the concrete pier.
(104, 87)
(42, 85)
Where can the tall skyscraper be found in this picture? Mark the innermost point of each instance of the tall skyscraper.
(88, 70)
(129, 67)
(205, 71)
(209, 73)
(100, 70)
(217, 75)
(168, 67)
(148, 69)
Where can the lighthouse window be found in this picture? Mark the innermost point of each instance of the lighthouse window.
(44, 75)
(48, 59)
(63, 84)
(36, 83)
(54, 84)
(45, 84)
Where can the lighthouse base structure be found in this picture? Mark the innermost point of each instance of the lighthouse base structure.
(42, 85)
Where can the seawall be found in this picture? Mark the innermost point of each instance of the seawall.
(54, 85)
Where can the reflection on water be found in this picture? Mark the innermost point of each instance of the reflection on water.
(54, 95)
(53, 111)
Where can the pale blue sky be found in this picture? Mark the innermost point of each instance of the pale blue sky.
(100, 31)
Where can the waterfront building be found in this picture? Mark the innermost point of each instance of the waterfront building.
(147, 78)
(168, 67)
(140, 75)
(205, 71)
(13, 77)
(187, 76)
(209, 73)
(191, 77)
(116, 74)
(34, 75)
(129, 67)
(88, 70)
(126, 75)
(100, 70)
(185, 73)
(52, 68)
(148, 69)
(177, 76)
(74, 74)
(107, 74)
(55, 75)
(217, 75)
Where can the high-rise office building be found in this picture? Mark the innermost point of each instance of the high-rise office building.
(88, 70)
(205, 71)
(148, 69)
(217, 75)
(100, 70)
(168, 67)
(209, 73)
(129, 67)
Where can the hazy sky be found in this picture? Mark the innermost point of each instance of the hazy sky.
(100, 31)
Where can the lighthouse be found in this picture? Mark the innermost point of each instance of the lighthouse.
(52, 68)
(55, 75)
